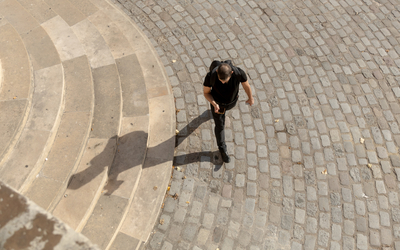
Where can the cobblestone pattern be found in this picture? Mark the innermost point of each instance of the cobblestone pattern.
(316, 160)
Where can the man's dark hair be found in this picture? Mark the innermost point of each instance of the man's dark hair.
(224, 71)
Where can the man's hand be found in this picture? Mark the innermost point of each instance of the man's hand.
(247, 89)
(216, 106)
(208, 96)
(250, 101)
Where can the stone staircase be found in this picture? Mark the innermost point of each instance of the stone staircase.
(87, 117)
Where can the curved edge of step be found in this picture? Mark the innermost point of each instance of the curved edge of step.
(43, 122)
(152, 122)
(67, 148)
(100, 166)
(16, 88)
(43, 114)
(146, 201)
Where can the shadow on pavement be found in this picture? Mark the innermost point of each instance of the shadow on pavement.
(130, 151)
(204, 156)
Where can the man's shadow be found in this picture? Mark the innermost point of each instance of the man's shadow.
(129, 151)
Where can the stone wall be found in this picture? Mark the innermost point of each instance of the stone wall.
(24, 225)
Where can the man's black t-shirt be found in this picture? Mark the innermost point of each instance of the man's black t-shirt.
(225, 92)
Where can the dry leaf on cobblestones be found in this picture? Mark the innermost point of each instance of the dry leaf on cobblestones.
(369, 165)
(324, 172)
(188, 202)
(176, 131)
(362, 140)
(169, 187)
(162, 221)
(175, 196)
(155, 187)
(277, 120)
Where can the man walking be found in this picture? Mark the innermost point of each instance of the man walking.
(221, 89)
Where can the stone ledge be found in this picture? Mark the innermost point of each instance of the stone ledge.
(23, 224)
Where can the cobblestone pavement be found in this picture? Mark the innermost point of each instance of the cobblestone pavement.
(316, 159)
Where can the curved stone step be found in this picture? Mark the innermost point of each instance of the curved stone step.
(86, 184)
(69, 132)
(145, 201)
(109, 76)
(84, 190)
(43, 113)
(15, 86)
(125, 171)
(31, 146)
(95, 154)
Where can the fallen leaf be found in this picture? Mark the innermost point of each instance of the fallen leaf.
(362, 140)
(324, 172)
(175, 196)
(184, 177)
(168, 188)
(277, 120)
(176, 131)
(162, 206)
(155, 187)
(173, 61)
(188, 202)
(162, 221)
(369, 165)
(15, 97)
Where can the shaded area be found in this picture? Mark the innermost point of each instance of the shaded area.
(130, 151)
(184, 133)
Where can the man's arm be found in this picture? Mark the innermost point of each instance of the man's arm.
(208, 96)
(247, 89)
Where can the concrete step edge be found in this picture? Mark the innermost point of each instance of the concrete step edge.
(163, 187)
(17, 135)
(50, 139)
(49, 143)
(127, 207)
(137, 181)
(90, 209)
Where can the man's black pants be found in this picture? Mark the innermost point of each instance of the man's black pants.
(219, 120)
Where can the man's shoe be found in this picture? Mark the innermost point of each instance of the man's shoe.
(224, 155)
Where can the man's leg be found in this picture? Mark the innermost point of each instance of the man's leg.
(219, 120)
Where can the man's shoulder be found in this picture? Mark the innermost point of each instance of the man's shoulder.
(240, 70)
(240, 74)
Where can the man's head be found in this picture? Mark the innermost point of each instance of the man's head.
(224, 72)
